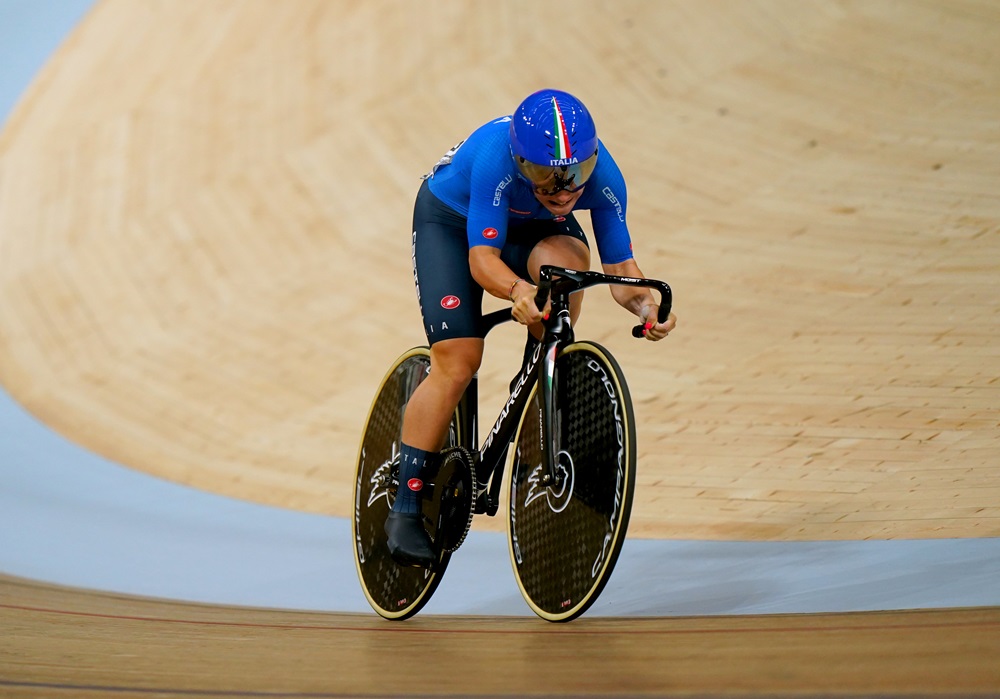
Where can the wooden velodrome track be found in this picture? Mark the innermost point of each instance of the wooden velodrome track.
(204, 272)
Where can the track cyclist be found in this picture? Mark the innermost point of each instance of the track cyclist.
(491, 212)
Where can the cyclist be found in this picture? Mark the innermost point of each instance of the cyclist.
(491, 212)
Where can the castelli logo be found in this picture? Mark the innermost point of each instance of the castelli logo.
(450, 302)
(490, 233)
(559, 219)
(415, 484)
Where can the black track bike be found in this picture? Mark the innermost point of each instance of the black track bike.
(570, 422)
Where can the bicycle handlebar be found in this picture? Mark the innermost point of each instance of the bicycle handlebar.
(571, 280)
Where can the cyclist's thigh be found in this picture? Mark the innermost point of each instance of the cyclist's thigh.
(561, 241)
(450, 299)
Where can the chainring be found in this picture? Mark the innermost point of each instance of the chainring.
(456, 497)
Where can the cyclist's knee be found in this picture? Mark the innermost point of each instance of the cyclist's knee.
(457, 360)
(559, 250)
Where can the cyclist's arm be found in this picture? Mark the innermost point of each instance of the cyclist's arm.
(491, 273)
(489, 198)
(638, 300)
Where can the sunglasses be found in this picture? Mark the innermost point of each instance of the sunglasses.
(547, 180)
(559, 185)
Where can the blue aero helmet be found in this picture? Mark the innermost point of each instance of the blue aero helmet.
(553, 141)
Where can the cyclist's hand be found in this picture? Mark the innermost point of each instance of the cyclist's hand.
(651, 329)
(525, 311)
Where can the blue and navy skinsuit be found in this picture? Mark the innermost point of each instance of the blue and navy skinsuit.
(476, 196)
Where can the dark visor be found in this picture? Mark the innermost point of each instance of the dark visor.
(549, 180)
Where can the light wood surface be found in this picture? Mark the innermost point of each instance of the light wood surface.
(204, 242)
(204, 271)
(67, 643)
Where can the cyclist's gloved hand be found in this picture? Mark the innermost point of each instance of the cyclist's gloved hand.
(522, 295)
(653, 330)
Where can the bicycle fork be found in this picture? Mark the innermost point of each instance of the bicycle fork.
(558, 333)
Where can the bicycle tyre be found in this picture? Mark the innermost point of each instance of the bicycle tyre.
(564, 545)
(394, 592)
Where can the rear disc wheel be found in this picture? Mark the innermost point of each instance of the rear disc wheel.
(394, 592)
